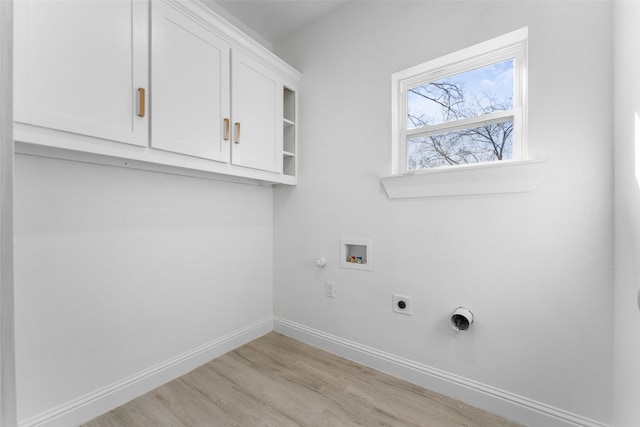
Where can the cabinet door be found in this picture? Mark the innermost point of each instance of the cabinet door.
(79, 64)
(257, 114)
(190, 84)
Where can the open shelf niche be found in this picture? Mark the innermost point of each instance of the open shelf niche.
(355, 254)
(289, 133)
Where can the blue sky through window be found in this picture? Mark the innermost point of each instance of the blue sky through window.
(468, 94)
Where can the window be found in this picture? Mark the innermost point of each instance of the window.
(464, 108)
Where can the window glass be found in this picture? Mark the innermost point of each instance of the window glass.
(489, 142)
(460, 96)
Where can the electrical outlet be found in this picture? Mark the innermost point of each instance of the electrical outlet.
(402, 304)
(330, 289)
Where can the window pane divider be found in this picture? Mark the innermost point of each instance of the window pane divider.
(485, 119)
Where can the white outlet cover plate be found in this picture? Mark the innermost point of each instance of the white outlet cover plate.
(396, 299)
(330, 289)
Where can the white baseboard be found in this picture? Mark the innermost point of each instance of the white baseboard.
(107, 398)
(509, 405)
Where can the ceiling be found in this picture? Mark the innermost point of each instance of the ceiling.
(275, 19)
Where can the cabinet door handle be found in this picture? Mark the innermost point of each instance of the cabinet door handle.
(226, 129)
(237, 141)
(141, 102)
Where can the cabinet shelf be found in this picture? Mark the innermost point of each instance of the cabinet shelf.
(289, 142)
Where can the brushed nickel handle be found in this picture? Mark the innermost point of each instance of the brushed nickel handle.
(237, 141)
(141, 102)
(226, 129)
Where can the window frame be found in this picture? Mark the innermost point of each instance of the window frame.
(511, 45)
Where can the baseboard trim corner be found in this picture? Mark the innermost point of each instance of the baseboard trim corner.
(509, 405)
(107, 398)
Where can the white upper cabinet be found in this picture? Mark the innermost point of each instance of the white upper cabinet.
(158, 85)
(79, 65)
(257, 114)
(190, 94)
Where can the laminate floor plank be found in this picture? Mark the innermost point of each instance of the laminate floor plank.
(146, 411)
(276, 381)
(292, 390)
(309, 389)
(274, 394)
(237, 404)
(327, 378)
(189, 405)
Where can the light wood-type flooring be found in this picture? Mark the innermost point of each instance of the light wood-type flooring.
(277, 381)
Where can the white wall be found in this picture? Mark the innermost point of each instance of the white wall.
(535, 268)
(627, 218)
(121, 270)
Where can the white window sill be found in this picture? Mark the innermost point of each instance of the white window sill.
(512, 176)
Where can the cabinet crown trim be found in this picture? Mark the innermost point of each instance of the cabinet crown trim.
(230, 33)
